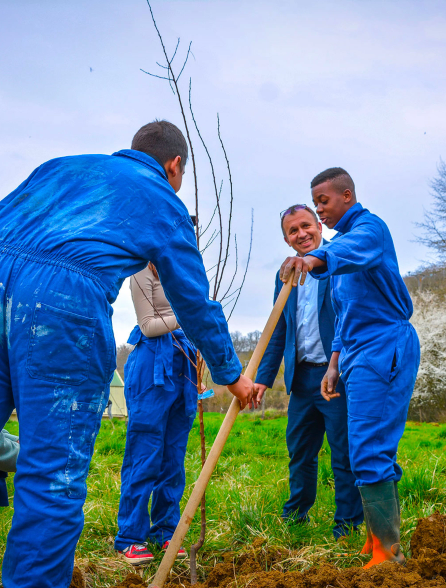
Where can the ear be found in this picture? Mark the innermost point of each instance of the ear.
(319, 226)
(347, 196)
(173, 167)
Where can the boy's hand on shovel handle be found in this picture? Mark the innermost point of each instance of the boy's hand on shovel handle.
(301, 265)
(244, 391)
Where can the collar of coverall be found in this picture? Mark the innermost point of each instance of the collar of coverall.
(149, 160)
(346, 222)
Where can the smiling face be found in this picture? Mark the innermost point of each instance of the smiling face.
(302, 232)
(331, 204)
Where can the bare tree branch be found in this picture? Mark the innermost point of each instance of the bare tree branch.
(183, 115)
(211, 163)
(231, 200)
(434, 226)
(215, 210)
(209, 243)
(247, 265)
(185, 61)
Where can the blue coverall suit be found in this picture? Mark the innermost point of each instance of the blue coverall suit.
(310, 416)
(69, 236)
(161, 396)
(380, 351)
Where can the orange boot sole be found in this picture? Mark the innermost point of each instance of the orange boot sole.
(381, 554)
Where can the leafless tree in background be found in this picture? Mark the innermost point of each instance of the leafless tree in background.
(219, 231)
(434, 225)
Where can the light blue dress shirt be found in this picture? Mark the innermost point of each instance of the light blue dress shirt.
(309, 344)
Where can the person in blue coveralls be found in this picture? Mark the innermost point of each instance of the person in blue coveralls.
(161, 396)
(69, 236)
(375, 349)
(304, 336)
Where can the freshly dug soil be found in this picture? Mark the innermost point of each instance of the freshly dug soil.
(430, 533)
(426, 568)
(77, 581)
(132, 581)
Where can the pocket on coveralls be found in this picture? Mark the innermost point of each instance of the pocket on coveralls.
(351, 286)
(60, 345)
(83, 427)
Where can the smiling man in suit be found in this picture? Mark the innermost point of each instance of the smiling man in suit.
(303, 336)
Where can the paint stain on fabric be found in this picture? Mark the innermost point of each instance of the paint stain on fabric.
(42, 331)
(8, 316)
(83, 342)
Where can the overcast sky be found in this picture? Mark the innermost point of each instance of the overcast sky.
(299, 87)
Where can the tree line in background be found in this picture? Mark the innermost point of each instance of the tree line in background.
(427, 286)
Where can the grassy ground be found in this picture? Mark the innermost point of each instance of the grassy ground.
(246, 494)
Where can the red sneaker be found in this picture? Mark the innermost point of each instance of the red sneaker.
(137, 554)
(182, 553)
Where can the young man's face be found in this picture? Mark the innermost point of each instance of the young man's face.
(330, 204)
(302, 232)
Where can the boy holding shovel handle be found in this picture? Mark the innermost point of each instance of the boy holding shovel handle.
(375, 348)
(69, 236)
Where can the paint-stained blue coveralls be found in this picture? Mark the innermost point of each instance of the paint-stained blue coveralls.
(380, 351)
(161, 397)
(69, 236)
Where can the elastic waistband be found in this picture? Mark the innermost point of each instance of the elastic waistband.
(47, 258)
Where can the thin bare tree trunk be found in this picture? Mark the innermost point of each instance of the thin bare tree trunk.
(196, 546)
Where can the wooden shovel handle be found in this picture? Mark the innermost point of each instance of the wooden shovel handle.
(215, 452)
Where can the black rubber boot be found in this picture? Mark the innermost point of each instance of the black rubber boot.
(397, 496)
(368, 545)
(381, 511)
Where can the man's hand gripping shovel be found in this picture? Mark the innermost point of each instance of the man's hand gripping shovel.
(215, 452)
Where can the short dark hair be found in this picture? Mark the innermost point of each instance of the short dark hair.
(163, 140)
(339, 177)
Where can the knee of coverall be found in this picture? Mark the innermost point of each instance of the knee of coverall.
(376, 422)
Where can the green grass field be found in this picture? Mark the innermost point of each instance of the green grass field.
(245, 497)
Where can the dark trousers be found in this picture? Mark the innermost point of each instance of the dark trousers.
(309, 417)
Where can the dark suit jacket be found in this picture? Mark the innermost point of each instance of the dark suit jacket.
(283, 342)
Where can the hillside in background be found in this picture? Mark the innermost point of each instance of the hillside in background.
(428, 290)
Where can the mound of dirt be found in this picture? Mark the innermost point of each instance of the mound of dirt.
(429, 575)
(132, 581)
(429, 534)
(426, 568)
(77, 581)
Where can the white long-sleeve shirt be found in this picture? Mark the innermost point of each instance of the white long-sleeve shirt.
(153, 312)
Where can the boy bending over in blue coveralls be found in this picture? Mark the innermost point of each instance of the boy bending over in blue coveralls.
(375, 349)
(69, 236)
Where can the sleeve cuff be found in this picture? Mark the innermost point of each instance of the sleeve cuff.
(223, 375)
(263, 383)
(330, 260)
(319, 273)
(336, 346)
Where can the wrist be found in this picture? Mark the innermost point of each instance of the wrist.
(235, 381)
(334, 360)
